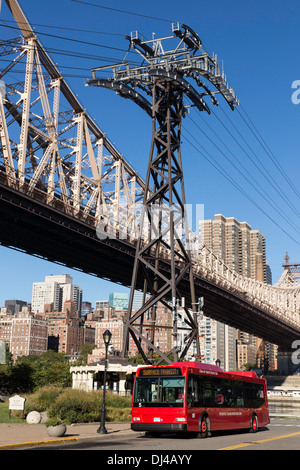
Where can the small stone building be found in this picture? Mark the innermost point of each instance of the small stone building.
(119, 376)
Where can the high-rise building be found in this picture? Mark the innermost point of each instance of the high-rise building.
(15, 306)
(217, 342)
(243, 250)
(86, 308)
(55, 290)
(138, 300)
(45, 293)
(119, 300)
(74, 293)
(235, 243)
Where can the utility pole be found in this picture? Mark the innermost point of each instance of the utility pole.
(163, 260)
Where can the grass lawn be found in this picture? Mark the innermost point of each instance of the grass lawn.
(4, 415)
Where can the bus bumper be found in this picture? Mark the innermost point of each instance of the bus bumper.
(160, 427)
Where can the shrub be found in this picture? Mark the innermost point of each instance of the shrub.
(77, 406)
(117, 414)
(42, 399)
(116, 401)
(53, 422)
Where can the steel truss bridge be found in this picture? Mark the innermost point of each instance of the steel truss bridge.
(64, 186)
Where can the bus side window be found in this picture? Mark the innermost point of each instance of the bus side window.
(228, 390)
(239, 395)
(218, 392)
(260, 395)
(254, 395)
(206, 392)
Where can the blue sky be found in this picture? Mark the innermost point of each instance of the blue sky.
(258, 44)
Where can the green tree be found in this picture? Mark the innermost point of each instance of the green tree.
(49, 368)
(8, 355)
(83, 354)
(16, 379)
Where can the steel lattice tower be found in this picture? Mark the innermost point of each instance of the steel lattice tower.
(163, 258)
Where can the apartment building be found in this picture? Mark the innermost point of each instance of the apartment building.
(243, 250)
(67, 331)
(116, 327)
(55, 290)
(5, 325)
(44, 293)
(246, 354)
(240, 247)
(24, 333)
(217, 342)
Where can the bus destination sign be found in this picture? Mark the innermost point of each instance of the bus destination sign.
(157, 371)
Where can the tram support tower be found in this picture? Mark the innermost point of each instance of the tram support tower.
(163, 258)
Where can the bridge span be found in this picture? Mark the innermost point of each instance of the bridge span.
(60, 177)
(40, 229)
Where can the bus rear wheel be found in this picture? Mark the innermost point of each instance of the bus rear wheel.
(254, 424)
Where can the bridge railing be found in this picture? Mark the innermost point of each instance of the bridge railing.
(283, 303)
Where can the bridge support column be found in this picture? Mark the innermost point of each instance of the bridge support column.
(288, 361)
(163, 257)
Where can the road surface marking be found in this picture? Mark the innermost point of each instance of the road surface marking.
(245, 444)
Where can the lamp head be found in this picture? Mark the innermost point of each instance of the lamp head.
(106, 337)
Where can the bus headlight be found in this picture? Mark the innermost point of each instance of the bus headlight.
(180, 420)
(136, 418)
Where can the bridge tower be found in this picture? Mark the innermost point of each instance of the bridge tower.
(292, 270)
(163, 259)
(290, 278)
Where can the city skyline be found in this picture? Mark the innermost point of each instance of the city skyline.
(236, 32)
(25, 293)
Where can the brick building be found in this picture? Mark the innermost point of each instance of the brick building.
(24, 333)
(67, 331)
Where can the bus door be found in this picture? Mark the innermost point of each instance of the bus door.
(197, 397)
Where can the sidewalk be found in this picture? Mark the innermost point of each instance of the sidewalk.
(16, 436)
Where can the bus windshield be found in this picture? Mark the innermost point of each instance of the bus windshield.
(162, 391)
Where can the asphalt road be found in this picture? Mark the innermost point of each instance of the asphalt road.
(140, 451)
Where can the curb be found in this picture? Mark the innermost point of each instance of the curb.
(66, 440)
(38, 443)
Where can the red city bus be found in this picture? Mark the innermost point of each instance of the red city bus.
(197, 397)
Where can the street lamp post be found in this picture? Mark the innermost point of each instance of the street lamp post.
(106, 338)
